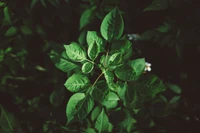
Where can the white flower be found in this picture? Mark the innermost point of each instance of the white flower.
(147, 67)
(133, 36)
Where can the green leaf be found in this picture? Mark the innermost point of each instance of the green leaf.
(75, 52)
(138, 65)
(95, 113)
(87, 67)
(157, 5)
(109, 76)
(7, 15)
(1, 55)
(111, 101)
(100, 91)
(93, 37)
(148, 84)
(125, 73)
(5, 122)
(33, 3)
(174, 88)
(164, 28)
(175, 99)
(93, 51)
(43, 3)
(112, 26)
(26, 30)
(78, 107)
(102, 123)
(57, 97)
(76, 83)
(87, 16)
(128, 123)
(90, 130)
(11, 31)
(115, 59)
(2, 4)
(61, 62)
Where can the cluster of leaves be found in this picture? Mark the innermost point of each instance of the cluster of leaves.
(110, 85)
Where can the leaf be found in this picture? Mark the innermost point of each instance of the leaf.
(148, 84)
(7, 15)
(138, 65)
(26, 30)
(5, 122)
(93, 51)
(109, 76)
(147, 35)
(125, 73)
(93, 37)
(1, 55)
(157, 5)
(43, 3)
(100, 91)
(61, 62)
(90, 130)
(115, 59)
(33, 3)
(112, 26)
(174, 88)
(76, 83)
(102, 122)
(75, 52)
(2, 4)
(87, 16)
(11, 31)
(111, 101)
(57, 97)
(95, 113)
(175, 99)
(87, 67)
(78, 107)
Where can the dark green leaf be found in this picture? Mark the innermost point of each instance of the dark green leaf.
(174, 88)
(1, 55)
(57, 97)
(87, 16)
(95, 113)
(11, 31)
(7, 14)
(87, 67)
(115, 59)
(157, 5)
(26, 30)
(75, 52)
(2, 4)
(138, 65)
(175, 99)
(76, 83)
(100, 91)
(33, 3)
(112, 26)
(164, 28)
(78, 107)
(102, 122)
(125, 73)
(147, 35)
(43, 3)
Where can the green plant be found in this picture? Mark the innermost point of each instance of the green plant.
(111, 87)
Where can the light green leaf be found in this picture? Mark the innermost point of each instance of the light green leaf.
(76, 83)
(7, 14)
(112, 26)
(11, 31)
(95, 113)
(26, 30)
(115, 59)
(90, 130)
(61, 62)
(157, 5)
(111, 101)
(78, 107)
(104, 60)
(75, 52)
(57, 97)
(100, 91)
(93, 51)
(102, 123)
(148, 84)
(87, 16)
(174, 88)
(138, 65)
(87, 67)
(5, 122)
(125, 73)
(92, 37)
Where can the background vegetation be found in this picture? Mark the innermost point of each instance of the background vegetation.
(32, 95)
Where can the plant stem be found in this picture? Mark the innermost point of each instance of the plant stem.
(97, 79)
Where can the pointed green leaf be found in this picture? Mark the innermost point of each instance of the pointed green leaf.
(138, 65)
(111, 101)
(125, 73)
(115, 59)
(93, 51)
(100, 91)
(175, 99)
(11, 31)
(5, 122)
(92, 37)
(157, 5)
(76, 83)
(109, 76)
(87, 16)
(75, 52)
(61, 62)
(174, 88)
(78, 107)
(102, 123)
(87, 67)
(26, 30)
(7, 14)
(95, 113)
(112, 26)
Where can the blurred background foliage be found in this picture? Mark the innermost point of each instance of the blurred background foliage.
(32, 34)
